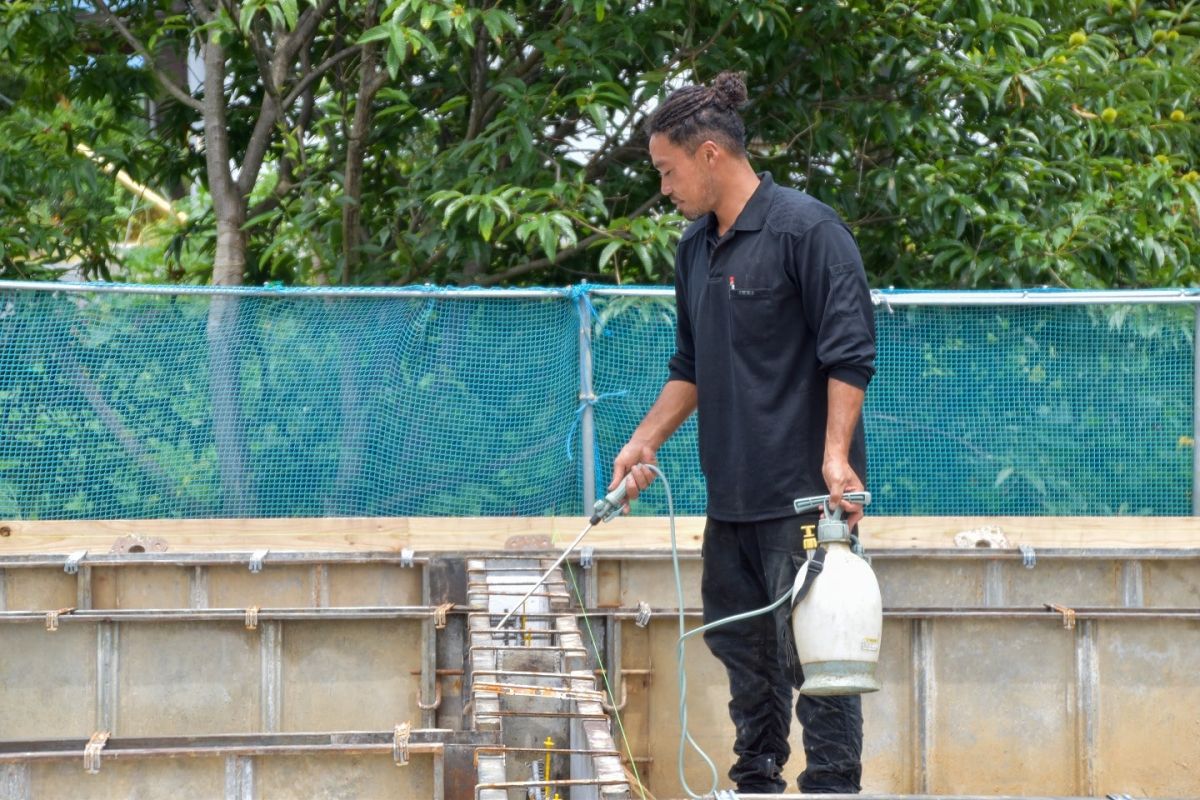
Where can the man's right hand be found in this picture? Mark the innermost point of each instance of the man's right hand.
(625, 468)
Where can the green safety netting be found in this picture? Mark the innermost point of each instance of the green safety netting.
(450, 402)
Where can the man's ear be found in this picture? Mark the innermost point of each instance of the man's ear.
(710, 152)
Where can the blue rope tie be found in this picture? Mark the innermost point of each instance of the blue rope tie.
(590, 401)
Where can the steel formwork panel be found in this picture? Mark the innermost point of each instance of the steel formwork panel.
(159, 779)
(331, 777)
(47, 682)
(985, 691)
(1148, 707)
(358, 676)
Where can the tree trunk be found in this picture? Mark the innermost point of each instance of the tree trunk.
(371, 80)
(229, 265)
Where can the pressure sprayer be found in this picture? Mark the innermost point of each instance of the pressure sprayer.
(837, 621)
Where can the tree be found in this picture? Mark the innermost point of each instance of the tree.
(969, 142)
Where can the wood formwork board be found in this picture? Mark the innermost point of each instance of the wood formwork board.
(470, 534)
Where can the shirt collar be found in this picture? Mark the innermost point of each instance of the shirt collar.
(754, 213)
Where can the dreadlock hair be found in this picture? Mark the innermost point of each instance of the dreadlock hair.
(696, 113)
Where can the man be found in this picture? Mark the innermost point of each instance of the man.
(775, 347)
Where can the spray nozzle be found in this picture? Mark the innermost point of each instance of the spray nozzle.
(609, 507)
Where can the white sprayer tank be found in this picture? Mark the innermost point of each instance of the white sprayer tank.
(839, 622)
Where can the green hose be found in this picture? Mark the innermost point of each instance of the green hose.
(685, 738)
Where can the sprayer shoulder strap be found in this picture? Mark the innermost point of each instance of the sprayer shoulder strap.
(815, 565)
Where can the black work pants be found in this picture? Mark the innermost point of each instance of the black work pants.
(747, 566)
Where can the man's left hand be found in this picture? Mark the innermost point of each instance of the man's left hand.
(841, 478)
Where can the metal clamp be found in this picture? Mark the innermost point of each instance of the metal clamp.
(406, 557)
(586, 555)
(91, 753)
(439, 615)
(1068, 614)
(73, 562)
(252, 618)
(257, 559)
(725, 794)
(52, 618)
(1028, 556)
(400, 744)
(642, 619)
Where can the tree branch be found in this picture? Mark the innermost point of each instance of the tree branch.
(216, 132)
(478, 79)
(256, 148)
(176, 92)
(493, 101)
(306, 28)
(317, 72)
(540, 263)
(202, 9)
(272, 111)
(258, 46)
(562, 255)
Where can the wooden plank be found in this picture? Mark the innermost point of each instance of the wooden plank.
(448, 534)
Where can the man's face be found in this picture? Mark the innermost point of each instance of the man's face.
(686, 178)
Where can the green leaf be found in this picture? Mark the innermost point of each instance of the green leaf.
(547, 237)
(487, 219)
(608, 252)
(290, 13)
(246, 17)
(1032, 86)
(378, 33)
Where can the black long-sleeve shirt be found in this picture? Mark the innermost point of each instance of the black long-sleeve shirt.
(767, 314)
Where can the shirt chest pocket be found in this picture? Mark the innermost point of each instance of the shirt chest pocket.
(754, 315)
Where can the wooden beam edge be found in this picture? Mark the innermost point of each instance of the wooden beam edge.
(473, 534)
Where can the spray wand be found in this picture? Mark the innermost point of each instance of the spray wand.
(609, 507)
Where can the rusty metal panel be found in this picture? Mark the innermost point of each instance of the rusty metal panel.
(1171, 584)
(924, 583)
(157, 779)
(1148, 719)
(652, 582)
(1003, 707)
(36, 589)
(638, 690)
(350, 675)
(278, 585)
(330, 777)
(150, 586)
(1069, 582)
(888, 714)
(47, 681)
(187, 679)
(374, 585)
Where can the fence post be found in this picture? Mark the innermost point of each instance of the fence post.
(587, 399)
(1196, 411)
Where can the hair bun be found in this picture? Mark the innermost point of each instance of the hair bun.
(729, 90)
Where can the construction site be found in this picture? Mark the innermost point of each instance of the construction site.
(328, 624)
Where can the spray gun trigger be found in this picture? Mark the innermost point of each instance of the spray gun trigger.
(609, 507)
